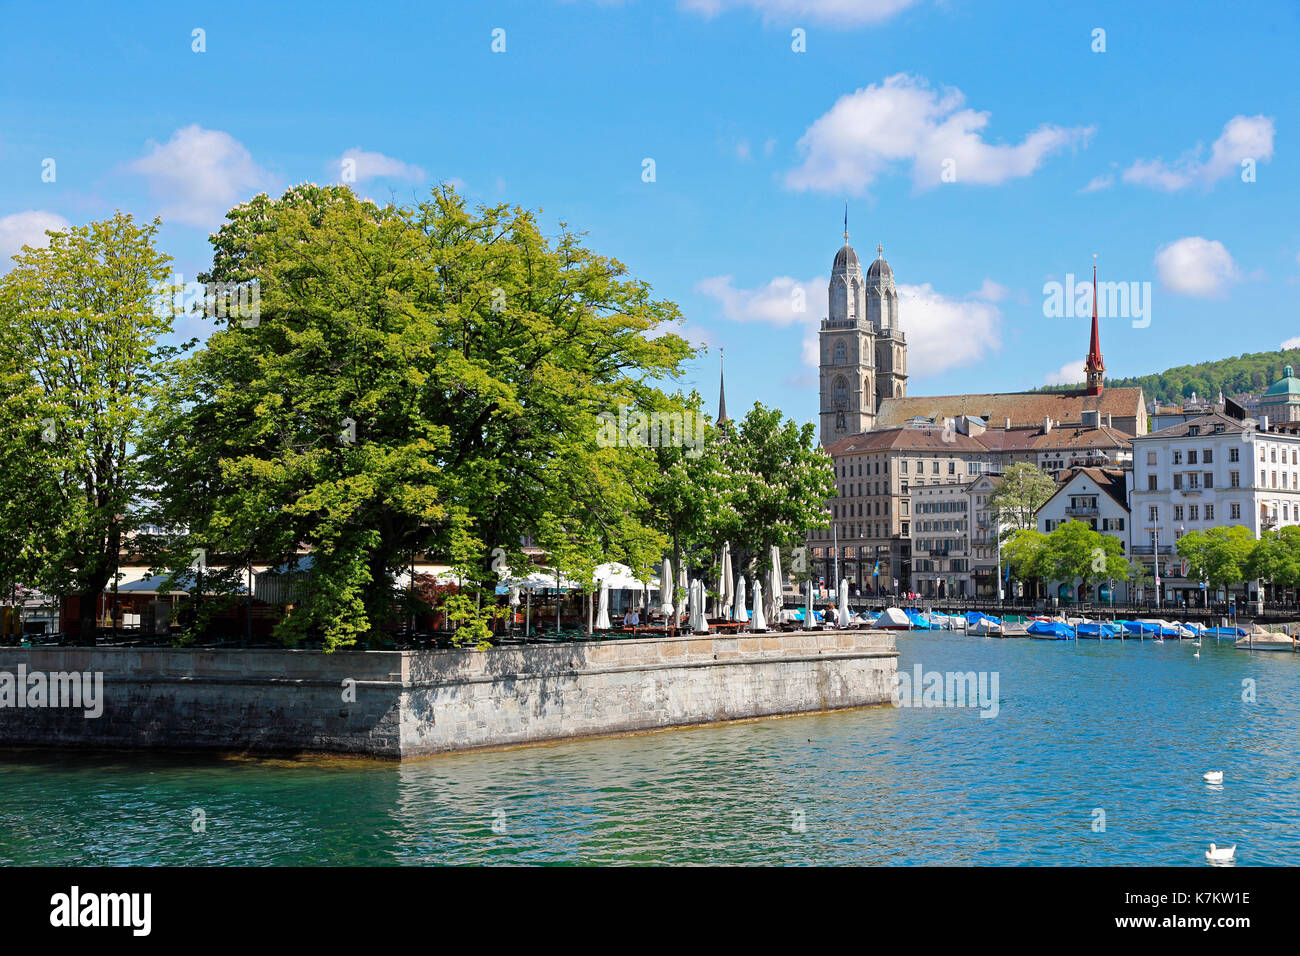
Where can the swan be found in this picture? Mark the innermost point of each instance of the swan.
(1221, 854)
(1214, 776)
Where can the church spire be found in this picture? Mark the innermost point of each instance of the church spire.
(846, 222)
(722, 389)
(1094, 367)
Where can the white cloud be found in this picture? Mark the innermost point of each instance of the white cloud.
(1196, 266)
(366, 165)
(1071, 373)
(843, 13)
(1243, 137)
(943, 332)
(1098, 183)
(1292, 343)
(26, 229)
(199, 174)
(902, 121)
(743, 152)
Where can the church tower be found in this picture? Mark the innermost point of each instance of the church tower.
(1094, 367)
(847, 342)
(891, 346)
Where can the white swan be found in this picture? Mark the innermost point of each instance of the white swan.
(1214, 776)
(1220, 854)
(1197, 654)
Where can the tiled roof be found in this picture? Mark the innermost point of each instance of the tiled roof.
(1023, 408)
(1231, 425)
(1108, 480)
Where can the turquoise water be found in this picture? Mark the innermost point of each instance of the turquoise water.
(1127, 728)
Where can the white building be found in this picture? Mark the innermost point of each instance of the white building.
(941, 541)
(1098, 497)
(1209, 472)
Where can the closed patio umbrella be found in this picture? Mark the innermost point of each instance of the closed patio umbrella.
(666, 591)
(602, 608)
(726, 592)
(759, 623)
(775, 597)
(844, 603)
(738, 613)
(698, 623)
(809, 616)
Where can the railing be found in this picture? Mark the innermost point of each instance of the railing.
(1083, 511)
(1145, 549)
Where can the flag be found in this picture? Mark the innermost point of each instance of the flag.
(876, 572)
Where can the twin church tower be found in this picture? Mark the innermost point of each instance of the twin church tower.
(863, 350)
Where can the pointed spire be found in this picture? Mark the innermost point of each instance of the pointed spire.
(1094, 367)
(722, 388)
(846, 222)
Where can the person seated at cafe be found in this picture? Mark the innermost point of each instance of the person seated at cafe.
(631, 618)
(831, 616)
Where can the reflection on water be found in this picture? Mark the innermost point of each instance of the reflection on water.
(1126, 729)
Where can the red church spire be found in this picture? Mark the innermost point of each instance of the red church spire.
(1094, 366)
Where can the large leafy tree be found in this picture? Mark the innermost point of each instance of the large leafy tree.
(1075, 551)
(1219, 556)
(422, 380)
(80, 359)
(1276, 558)
(1024, 489)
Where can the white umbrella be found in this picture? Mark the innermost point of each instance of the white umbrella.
(775, 597)
(666, 591)
(844, 603)
(514, 595)
(698, 624)
(726, 593)
(809, 620)
(759, 623)
(602, 608)
(618, 577)
(739, 610)
(687, 598)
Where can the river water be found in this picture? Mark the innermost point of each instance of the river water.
(1095, 756)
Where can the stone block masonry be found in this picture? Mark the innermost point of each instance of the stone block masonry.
(419, 703)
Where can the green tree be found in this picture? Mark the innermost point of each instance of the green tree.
(1219, 556)
(1023, 553)
(1276, 558)
(423, 380)
(1075, 551)
(1024, 489)
(80, 361)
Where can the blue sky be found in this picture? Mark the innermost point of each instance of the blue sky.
(1057, 152)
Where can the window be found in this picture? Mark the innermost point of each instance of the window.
(1191, 456)
(1207, 456)
(1234, 478)
(934, 467)
(1153, 513)
(1193, 430)
(1193, 513)
(952, 467)
(1234, 454)
(841, 354)
(1151, 483)
(1178, 512)
(1151, 458)
(1178, 458)
(1193, 479)
(1235, 511)
(1209, 479)
(1178, 481)
(1209, 512)
(903, 466)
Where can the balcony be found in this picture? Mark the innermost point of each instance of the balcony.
(1082, 512)
(1146, 549)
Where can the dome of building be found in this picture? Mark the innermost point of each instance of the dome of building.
(880, 268)
(1286, 386)
(846, 260)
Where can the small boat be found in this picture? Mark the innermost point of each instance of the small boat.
(1221, 632)
(1097, 629)
(919, 622)
(981, 625)
(1050, 631)
(1214, 776)
(892, 619)
(1262, 640)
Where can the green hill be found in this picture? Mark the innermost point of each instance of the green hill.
(1251, 372)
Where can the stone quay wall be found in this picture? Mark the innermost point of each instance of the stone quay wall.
(400, 704)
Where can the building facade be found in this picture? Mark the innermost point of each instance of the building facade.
(1097, 497)
(1212, 471)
